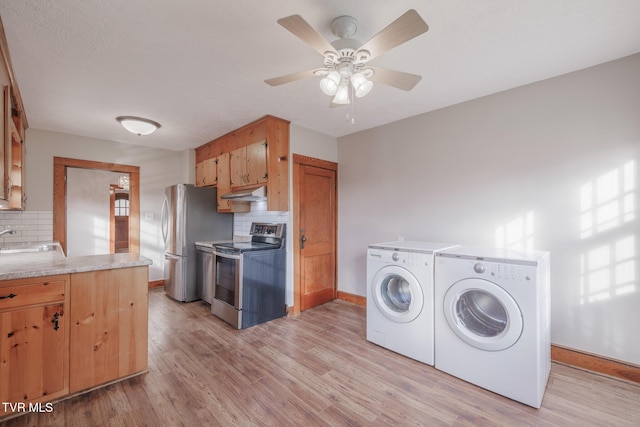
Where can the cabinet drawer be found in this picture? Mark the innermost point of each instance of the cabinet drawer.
(30, 294)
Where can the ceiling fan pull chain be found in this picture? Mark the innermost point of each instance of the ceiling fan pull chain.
(350, 116)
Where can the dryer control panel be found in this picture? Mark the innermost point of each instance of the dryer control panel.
(502, 271)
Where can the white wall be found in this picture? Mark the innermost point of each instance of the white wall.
(307, 142)
(88, 211)
(553, 163)
(158, 169)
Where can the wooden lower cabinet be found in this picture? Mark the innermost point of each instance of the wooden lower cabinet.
(69, 333)
(109, 321)
(34, 346)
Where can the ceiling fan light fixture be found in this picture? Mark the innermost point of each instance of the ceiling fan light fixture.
(138, 125)
(329, 84)
(345, 59)
(342, 96)
(361, 84)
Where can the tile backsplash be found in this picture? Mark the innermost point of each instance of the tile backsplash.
(30, 226)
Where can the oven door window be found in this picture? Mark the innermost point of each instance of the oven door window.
(226, 280)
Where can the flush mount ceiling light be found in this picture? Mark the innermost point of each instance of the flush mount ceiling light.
(346, 70)
(138, 125)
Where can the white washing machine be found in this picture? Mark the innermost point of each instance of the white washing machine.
(400, 297)
(492, 325)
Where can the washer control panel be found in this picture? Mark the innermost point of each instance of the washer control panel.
(400, 257)
(478, 267)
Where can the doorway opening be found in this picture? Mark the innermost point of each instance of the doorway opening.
(119, 209)
(61, 166)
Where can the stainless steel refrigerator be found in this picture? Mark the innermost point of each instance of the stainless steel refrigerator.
(189, 214)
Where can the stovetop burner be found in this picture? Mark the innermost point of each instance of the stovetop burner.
(245, 246)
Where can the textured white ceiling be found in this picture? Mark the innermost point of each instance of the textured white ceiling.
(198, 67)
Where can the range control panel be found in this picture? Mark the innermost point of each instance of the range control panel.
(266, 230)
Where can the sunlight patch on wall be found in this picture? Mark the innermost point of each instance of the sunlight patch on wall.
(100, 236)
(608, 201)
(607, 215)
(516, 234)
(151, 241)
(608, 271)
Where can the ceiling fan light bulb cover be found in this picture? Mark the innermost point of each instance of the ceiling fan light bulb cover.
(329, 84)
(342, 96)
(138, 125)
(361, 84)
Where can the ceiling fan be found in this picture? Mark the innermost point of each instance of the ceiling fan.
(346, 59)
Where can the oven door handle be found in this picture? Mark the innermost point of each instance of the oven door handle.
(226, 255)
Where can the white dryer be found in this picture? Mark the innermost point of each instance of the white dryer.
(400, 297)
(492, 324)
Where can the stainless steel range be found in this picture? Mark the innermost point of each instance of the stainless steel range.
(250, 277)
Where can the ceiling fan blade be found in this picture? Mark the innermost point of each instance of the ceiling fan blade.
(401, 30)
(397, 79)
(276, 81)
(305, 32)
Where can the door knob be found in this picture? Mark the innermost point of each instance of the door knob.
(302, 241)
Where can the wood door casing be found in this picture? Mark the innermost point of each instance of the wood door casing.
(315, 219)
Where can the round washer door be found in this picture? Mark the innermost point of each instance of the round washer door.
(483, 314)
(397, 293)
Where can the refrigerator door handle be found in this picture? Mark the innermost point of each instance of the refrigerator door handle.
(164, 217)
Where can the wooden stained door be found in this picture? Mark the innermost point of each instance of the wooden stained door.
(315, 213)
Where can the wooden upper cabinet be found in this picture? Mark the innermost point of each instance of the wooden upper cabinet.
(248, 165)
(13, 122)
(14, 166)
(5, 145)
(224, 182)
(258, 155)
(207, 173)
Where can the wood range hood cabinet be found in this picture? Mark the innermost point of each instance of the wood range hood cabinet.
(253, 156)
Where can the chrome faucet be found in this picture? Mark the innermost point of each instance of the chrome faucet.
(7, 231)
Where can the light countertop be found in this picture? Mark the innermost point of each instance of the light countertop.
(25, 265)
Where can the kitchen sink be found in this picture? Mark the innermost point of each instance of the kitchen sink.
(28, 247)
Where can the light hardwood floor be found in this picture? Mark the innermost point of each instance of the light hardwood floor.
(312, 369)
